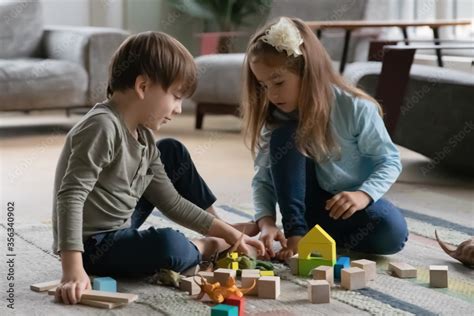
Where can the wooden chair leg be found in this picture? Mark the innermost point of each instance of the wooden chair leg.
(199, 117)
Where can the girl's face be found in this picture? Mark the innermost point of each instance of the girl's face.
(281, 86)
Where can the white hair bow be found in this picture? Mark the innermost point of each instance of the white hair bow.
(284, 35)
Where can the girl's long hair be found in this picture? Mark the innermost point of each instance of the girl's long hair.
(314, 137)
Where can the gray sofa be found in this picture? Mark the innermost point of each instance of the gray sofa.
(437, 114)
(44, 67)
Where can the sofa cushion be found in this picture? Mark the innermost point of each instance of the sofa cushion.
(219, 78)
(21, 28)
(28, 84)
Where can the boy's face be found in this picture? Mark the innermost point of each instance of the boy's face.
(281, 86)
(158, 106)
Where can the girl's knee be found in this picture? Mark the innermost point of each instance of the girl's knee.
(391, 233)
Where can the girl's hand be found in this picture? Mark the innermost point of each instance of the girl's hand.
(345, 204)
(291, 249)
(268, 235)
(73, 283)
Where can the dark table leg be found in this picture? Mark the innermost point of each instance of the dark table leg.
(405, 35)
(436, 42)
(347, 39)
(392, 84)
(319, 33)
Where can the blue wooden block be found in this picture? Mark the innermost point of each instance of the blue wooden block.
(224, 310)
(105, 284)
(341, 263)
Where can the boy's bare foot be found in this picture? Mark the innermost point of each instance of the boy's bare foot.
(208, 246)
(248, 228)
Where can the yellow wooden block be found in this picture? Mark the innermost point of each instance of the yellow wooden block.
(326, 251)
(234, 255)
(317, 240)
(235, 266)
(267, 273)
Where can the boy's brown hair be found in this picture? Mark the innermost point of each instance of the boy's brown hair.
(156, 55)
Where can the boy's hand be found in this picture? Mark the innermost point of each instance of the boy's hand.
(269, 233)
(345, 204)
(75, 279)
(249, 228)
(73, 283)
(291, 249)
(251, 247)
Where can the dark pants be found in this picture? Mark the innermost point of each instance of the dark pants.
(133, 252)
(378, 229)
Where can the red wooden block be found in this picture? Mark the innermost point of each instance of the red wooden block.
(234, 300)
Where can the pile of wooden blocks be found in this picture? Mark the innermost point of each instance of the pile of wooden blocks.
(267, 284)
(104, 293)
(352, 277)
(438, 274)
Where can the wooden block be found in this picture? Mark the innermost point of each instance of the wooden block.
(234, 255)
(293, 263)
(234, 300)
(247, 282)
(221, 275)
(106, 284)
(319, 291)
(235, 266)
(305, 266)
(44, 286)
(353, 278)
(324, 273)
(93, 303)
(109, 297)
(100, 304)
(268, 287)
(250, 272)
(208, 275)
(224, 310)
(402, 270)
(317, 239)
(439, 276)
(341, 263)
(188, 285)
(368, 266)
(267, 273)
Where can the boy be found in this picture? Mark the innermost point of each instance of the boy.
(111, 175)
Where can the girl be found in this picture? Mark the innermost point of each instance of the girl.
(111, 175)
(322, 151)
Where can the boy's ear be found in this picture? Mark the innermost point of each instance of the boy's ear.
(141, 84)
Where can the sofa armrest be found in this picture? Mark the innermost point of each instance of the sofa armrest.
(91, 47)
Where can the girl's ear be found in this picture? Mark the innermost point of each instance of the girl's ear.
(141, 84)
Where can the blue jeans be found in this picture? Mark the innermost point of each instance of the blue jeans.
(380, 228)
(133, 253)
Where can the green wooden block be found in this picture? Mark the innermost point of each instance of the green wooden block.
(306, 265)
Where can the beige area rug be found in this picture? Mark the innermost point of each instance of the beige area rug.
(384, 296)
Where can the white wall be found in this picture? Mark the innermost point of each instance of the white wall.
(66, 12)
(84, 12)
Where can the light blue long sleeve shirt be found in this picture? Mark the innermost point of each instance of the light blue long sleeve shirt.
(368, 162)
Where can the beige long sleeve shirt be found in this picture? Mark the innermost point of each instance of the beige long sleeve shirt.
(101, 174)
